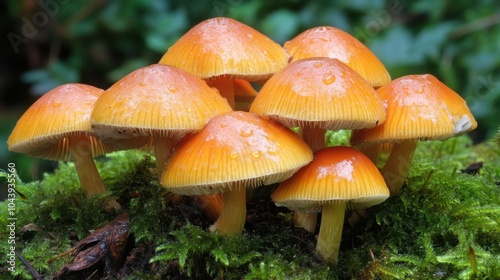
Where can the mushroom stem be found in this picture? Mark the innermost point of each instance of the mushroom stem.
(162, 148)
(226, 88)
(234, 211)
(314, 137)
(305, 220)
(211, 205)
(330, 232)
(81, 154)
(397, 166)
(372, 152)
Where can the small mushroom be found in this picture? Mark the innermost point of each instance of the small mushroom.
(222, 49)
(327, 41)
(419, 107)
(337, 178)
(234, 151)
(57, 127)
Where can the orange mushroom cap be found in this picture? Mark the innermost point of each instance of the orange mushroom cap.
(418, 107)
(64, 112)
(157, 100)
(326, 41)
(335, 174)
(319, 92)
(234, 149)
(223, 46)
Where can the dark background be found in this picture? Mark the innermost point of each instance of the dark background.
(47, 43)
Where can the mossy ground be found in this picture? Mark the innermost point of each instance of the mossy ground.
(443, 225)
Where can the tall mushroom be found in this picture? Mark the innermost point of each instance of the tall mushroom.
(317, 94)
(327, 41)
(57, 127)
(222, 49)
(234, 151)
(337, 178)
(419, 107)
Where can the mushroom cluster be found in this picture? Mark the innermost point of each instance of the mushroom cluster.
(213, 135)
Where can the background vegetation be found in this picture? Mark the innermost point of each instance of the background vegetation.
(50, 42)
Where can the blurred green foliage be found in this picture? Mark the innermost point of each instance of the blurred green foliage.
(98, 42)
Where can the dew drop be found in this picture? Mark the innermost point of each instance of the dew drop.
(318, 64)
(233, 155)
(56, 104)
(173, 89)
(256, 154)
(420, 90)
(142, 84)
(246, 132)
(328, 78)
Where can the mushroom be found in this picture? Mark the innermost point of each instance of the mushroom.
(158, 101)
(419, 107)
(57, 127)
(337, 178)
(327, 41)
(234, 151)
(222, 49)
(317, 94)
(161, 102)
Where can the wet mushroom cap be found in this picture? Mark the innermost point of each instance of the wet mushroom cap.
(62, 113)
(225, 47)
(157, 100)
(234, 149)
(335, 174)
(418, 107)
(327, 41)
(322, 93)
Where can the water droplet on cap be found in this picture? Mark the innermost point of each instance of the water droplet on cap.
(328, 78)
(246, 132)
(318, 64)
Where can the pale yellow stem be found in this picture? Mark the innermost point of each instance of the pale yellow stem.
(162, 148)
(398, 164)
(315, 138)
(234, 211)
(305, 220)
(330, 231)
(226, 88)
(81, 154)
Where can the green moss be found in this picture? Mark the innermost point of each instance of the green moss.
(443, 225)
